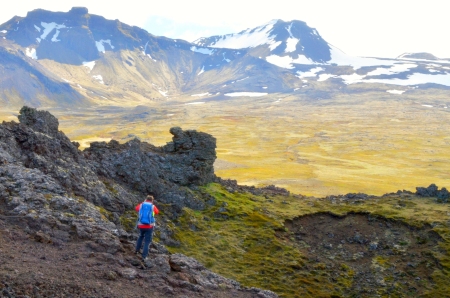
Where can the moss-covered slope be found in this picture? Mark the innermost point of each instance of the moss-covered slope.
(396, 245)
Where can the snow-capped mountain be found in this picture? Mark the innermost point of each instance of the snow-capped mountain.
(79, 57)
(295, 46)
(277, 39)
(98, 58)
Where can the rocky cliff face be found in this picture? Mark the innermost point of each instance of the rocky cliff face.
(109, 175)
(60, 196)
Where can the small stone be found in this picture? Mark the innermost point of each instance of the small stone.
(328, 246)
(128, 273)
(111, 275)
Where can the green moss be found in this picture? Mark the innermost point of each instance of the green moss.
(105, 213)
(110, 186)
(128, 220)
(244, 238)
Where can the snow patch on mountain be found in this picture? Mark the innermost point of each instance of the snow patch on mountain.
(148, 55)
(31, 52)
(195, 103)
(249, 38)
(395, 91)
(311, 73)
(326, 76)
(352, 79)
(101, 45)
(204, 51)
(163, 93)
(48, 28)
(249, 94)
(201, 71)
(201, 94)
(411, 79)
(99, 78)
(415, 79)
(37, 28)
(145, 50)
(287, 61)
(291, 45)
(340, 58)
(291, 42)
(274, 45)
(242, 79)
(225, 59)
(55, 37)
(395, 69)
(4, 31)
(89, 64)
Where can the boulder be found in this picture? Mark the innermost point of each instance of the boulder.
(430, 191)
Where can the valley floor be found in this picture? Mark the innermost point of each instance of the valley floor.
(372, 142)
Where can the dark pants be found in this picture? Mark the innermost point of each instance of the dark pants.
(146, 234)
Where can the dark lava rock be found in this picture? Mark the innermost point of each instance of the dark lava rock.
(442, 195)
(69, 207)
(430, 191)
(41, 121)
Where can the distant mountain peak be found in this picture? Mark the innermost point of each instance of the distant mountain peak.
(422, 55)
(292, 39)
(72, 37)
(79, 10)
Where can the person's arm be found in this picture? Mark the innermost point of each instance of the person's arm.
(138, 207)
(155, 209)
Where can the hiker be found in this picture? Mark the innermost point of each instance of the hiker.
(146, 221)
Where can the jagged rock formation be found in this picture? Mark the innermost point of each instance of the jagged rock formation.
(61, 196)
(442, 195)
(188, 160)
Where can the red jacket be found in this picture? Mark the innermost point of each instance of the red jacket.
(155, 211)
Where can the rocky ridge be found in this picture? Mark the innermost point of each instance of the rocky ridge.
(62, 213)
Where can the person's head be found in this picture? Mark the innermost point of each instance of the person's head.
(150, 198)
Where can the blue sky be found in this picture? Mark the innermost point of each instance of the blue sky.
(379, 28)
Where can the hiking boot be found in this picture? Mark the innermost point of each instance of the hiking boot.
(145, 259)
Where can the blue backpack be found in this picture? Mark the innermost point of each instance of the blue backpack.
(146, 214)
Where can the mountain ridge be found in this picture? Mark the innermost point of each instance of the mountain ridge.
(102, 58)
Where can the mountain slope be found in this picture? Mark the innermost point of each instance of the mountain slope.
(293, 39)
(76, 58)
(295, 46)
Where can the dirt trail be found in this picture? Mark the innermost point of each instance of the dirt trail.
(32, 266)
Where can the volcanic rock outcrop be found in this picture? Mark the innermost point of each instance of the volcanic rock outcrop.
(61, 196)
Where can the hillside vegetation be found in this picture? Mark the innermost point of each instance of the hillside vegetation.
(397, 245)
(81, 205)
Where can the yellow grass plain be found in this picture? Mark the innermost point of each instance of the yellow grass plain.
(372, 142)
